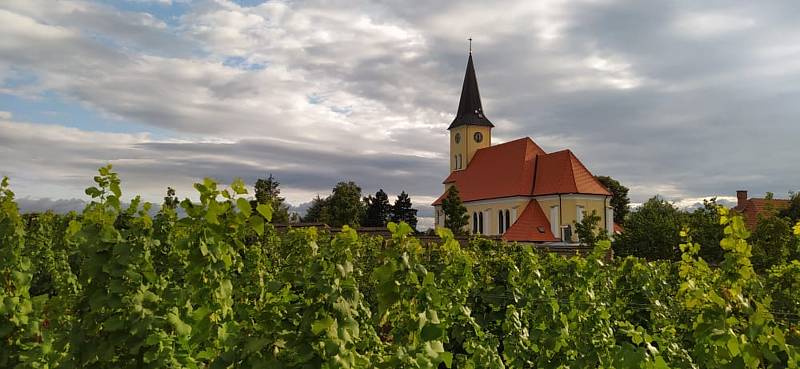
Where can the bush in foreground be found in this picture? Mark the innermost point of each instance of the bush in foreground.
(220, 288)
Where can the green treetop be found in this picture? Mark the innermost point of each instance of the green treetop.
(402, 211)
(619, 197)
(455, 213)
(377, 211)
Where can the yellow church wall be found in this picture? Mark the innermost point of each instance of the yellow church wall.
(516, 205)
(569, 212)
(490, 208)
(467, 146)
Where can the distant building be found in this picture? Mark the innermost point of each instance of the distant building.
(516, 190)
(752, 208)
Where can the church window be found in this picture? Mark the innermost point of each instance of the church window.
(579, 214)
(480, 222)
(500, 222)
(478, 137)
(474, 223)
(457, 137)
(508, 221)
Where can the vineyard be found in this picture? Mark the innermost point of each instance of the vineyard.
(113, 287)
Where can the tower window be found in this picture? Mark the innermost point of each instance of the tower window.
(457, 138)
(478, 137)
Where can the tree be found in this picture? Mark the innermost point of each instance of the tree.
(402, 211)
(345, 205)
(706, 230)
(651, 232)
(587, 230)
(318, 212)
(455, 213)
(267, 191)
(619, 197)
(378, 210)
(793, 210)
(170, 201)
(772, 242)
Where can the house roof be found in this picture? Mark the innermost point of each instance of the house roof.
(522, 168)
(532, 225)
(754, 207)
(470, 109)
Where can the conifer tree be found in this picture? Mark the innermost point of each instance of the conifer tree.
(402, 211)
(267, 191)
(378, 210)
(455, 213)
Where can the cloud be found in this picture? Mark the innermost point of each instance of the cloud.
(687, 100)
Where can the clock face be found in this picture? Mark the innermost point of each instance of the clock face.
(478, 137)
(457, 138)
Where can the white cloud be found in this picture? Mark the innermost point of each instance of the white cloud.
(360, 90)
(711, 24)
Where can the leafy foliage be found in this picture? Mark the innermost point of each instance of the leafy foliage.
(378, 210)
(403, 212)
(222, 288)
(619, 197)
(455, 213)
(267, 191)
(588, 231)
(651, 231)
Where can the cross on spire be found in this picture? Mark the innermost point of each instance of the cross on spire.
(470, 45)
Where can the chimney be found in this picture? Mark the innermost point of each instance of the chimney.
(741, 199)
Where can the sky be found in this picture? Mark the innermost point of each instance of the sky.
(682, 99)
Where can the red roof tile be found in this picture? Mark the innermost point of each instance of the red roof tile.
(497, 171)
(755, 207)
(562, 172)
(510, 169)
(527, 226)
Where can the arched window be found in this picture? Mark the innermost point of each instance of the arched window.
(474, 223)
(508, 220)
(460, 162)
(500, 223)
(455, 161)
(480, 222)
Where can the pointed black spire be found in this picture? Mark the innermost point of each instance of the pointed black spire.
(470, 110)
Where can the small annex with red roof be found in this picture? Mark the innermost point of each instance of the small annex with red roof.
(516, 190)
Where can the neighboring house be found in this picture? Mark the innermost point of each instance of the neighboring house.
(517, 190)
(752, 208)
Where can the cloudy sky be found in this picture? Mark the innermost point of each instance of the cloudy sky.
(686, 99)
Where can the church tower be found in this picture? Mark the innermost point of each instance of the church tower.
(470, 130)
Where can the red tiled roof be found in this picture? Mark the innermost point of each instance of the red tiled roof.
(764, 207)
(510, 169)
(562, 172)
(497, 171)
(527, 226)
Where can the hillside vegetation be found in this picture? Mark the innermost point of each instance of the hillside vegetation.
(220, 288)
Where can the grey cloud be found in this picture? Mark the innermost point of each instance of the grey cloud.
(682, 99)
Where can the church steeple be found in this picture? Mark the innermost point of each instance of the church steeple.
(470, 109)
(471, 130)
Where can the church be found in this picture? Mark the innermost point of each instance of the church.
(516, 190)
